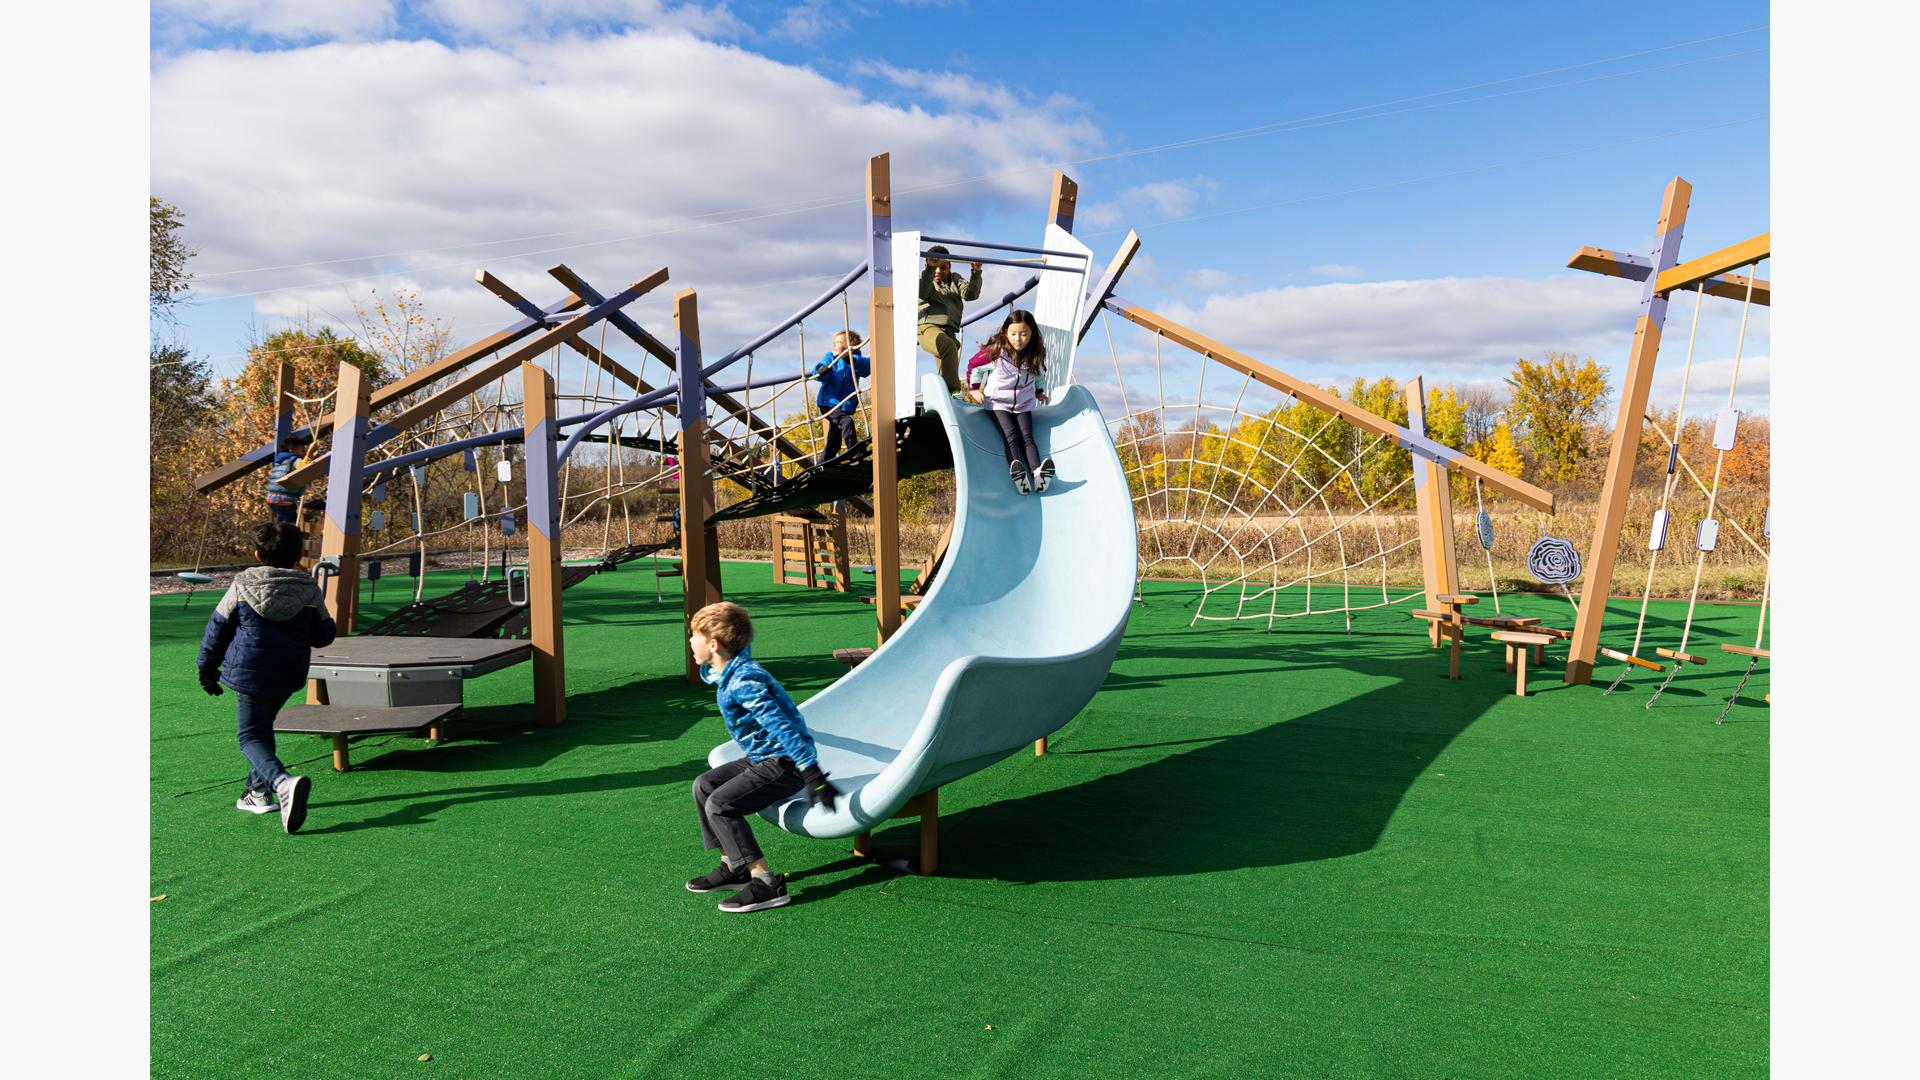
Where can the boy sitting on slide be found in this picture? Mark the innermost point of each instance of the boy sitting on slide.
(779, 761)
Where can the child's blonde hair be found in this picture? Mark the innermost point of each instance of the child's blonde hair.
(852, 336)
(726, 624)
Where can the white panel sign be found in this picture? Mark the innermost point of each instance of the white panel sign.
(906, 317)
(1724, 432)
(1056, 305)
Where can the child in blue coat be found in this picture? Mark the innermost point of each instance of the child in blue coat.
(839, 373)
(258, 643)
(284, 501)
(780, 760)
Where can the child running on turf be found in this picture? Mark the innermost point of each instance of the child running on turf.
(1011, 388)
(780, 760)
(284, 501)
(839, 373)
(258, 643)
(942, 299)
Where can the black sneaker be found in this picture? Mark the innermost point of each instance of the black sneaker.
(1017, 472)
(1044, 478)
(723, 877)
(759, 895)
(292, 791)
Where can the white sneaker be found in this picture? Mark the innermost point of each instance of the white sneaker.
(256, 802)
(1043, 479)
(293, 801)
(1018, 471)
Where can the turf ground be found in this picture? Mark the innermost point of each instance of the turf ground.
(1301, 853)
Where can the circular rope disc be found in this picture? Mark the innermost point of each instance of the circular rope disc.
(1553, 561)
(1483, 524)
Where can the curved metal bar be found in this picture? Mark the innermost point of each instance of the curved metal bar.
(708, 372)
(951, 257)
(1005, 301)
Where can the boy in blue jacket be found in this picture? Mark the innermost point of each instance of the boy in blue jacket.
(284, 501)
(258, 643)
(780, 760)
(839, 373)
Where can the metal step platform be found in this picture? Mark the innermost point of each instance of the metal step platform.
(340, 721)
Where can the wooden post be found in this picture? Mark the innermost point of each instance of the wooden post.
(699, 543)
(543, 548)
(930, 831)
(341, 759)
(1592, 607)
(1433, 512)
(842, 561)
(1065, 194)
(282, 405)
(886, 471)
(340, 534)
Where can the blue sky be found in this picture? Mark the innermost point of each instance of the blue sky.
(1396, 188)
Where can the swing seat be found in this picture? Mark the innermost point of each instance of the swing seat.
(1748, 650)
(1616, 654)
(194, 577)
(1680, 657)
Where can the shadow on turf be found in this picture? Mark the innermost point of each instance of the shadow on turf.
(1321, 784)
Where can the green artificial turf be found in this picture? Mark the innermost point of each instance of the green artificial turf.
(1297, 853)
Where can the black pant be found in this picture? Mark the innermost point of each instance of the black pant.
(1017, 430)
(725, 796)
(839, 429)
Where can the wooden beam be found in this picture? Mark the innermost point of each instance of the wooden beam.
(1592, 606)
(1433, 513)
(592, 354)
(1420, 445)
(493, 369)
(699, 542)
(219, 477)
(1623, 264)
(543, 548)
(880, 399)
(340, 533)
(1060, 205)
(1745, 253)
(1101, 290)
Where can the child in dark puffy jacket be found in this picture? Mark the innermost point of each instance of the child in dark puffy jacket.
(259, 641)
(282, 500)
(780, 759)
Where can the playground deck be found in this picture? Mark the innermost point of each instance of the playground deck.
(1292, 853)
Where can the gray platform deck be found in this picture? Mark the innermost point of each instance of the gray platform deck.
(357, 719)
(487, 654)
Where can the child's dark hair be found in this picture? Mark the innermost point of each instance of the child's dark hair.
(1033, 358)
(298, 438)
(939, 253)
(278, 544)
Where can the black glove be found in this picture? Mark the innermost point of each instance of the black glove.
(210, 682)
(820, 790)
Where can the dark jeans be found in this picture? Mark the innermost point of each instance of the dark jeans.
(256, 738)
(1017, 430)
(289, 513)
(726, 795)
(839, 429)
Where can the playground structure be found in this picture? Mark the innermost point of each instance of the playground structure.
(1662, 274)
(1023, 599)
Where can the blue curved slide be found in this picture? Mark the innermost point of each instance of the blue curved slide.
(1016, 634)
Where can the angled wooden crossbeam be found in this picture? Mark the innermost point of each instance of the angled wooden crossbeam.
(1419, 445)
(1098, 295)
(488, 372)
(727, 402)
(532, 311)
(1622, 264)
(217, 478)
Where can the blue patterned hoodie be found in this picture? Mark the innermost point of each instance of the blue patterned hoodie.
(758, 713)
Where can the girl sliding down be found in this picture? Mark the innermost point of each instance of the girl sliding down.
(1011, 388)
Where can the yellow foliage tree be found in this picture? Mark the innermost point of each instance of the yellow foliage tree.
(1555, 403)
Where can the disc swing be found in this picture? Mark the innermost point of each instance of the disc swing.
(1483, 531)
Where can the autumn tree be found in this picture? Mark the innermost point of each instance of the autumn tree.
(1554, 406)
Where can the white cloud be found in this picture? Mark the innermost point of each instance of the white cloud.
(1160, 201)
(296, 20)
(1339, 271)
(340, 150)
(1207, 280)
(509, 20)
(808, 22)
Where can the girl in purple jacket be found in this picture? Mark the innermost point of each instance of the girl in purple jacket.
(1012, 385)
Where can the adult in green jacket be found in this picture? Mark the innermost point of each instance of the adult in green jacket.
(942, 297)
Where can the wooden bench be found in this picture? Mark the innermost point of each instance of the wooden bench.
(851, 657)
(1748, 650)
(1518, 643)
